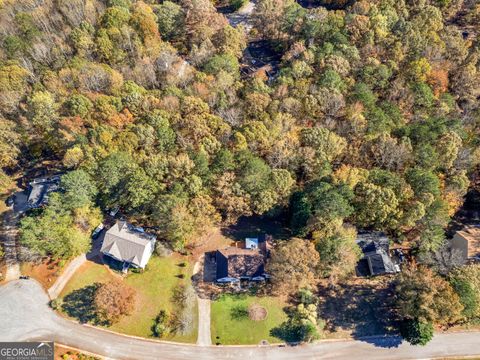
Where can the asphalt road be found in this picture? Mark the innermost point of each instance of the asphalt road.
(24, 315)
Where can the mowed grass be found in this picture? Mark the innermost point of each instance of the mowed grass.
(227, 330)
(154, 292)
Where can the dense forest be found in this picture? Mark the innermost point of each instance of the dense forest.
(370, 121)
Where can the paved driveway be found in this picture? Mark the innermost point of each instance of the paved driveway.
(9, 233)
(25, 315)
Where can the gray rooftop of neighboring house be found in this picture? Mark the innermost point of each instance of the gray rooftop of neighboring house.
(126, 243)
(39, 190)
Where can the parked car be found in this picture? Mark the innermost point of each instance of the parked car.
(10, 200)
(98, 230)
(114, 211)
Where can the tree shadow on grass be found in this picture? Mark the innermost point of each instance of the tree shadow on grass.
(79, 304)
(365, 309)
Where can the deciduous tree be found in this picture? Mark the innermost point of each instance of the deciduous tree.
(113, 300)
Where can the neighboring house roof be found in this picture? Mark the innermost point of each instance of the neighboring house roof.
(372, 241)
(238, 263)
(471, 236)
(129, 244)
(39, 190)
(375, 248)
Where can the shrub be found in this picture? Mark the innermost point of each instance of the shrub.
(306, 297)
(416, 332)
(184, 296)
(237, 4)
(239, 312)
(302, 325)
(296, 331)
(55, 304)
(161, 324)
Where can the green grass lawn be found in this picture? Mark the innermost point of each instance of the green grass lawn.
(153, 288)
(231, 331)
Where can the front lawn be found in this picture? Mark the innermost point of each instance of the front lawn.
(230, 327)
(154, 289)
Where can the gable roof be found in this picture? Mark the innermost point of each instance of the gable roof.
(375, 247)
(39, 190)
(127, 243)
(380, 263)
(234, 262)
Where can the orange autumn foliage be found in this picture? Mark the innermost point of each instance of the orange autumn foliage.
(438, 80)
(120, 120)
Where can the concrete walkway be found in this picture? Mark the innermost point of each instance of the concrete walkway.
(26, 316)
(66, 275)
(9, 234)
(204, 336)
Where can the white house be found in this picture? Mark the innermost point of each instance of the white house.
(126, 243)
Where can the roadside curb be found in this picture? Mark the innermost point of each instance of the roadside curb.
(80, 350)
(253, 346)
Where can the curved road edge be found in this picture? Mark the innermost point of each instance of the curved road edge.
(26, 316)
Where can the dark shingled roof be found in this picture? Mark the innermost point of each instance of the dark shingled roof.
(376, 259)
(239, 263)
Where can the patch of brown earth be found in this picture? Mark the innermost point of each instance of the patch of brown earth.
(45, 272)
(257, 312)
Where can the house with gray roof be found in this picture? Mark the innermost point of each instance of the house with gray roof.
(128, 244)
(39, 189)
(376, 258)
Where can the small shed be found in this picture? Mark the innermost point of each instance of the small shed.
(251, 243)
